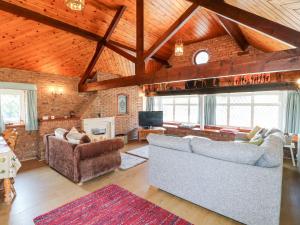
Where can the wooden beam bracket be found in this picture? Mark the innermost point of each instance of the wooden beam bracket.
(120, 51)
(234, 31)
(101, 44)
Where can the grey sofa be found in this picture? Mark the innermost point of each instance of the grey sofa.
(242, 182)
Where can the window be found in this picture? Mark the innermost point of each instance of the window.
(201, 57)
(12, 106)
(250, 109)
(183, 109)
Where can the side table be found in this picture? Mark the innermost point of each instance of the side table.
(291, 147)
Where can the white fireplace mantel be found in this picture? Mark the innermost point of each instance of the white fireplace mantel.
(107, 123)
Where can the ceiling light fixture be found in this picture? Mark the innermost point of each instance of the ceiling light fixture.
(179, 48)
(76, 5)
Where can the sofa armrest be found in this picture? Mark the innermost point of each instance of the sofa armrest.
(91, 150)
(46, 144)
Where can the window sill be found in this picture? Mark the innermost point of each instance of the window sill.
(14, 125)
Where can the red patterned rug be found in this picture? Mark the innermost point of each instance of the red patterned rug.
(111, 205)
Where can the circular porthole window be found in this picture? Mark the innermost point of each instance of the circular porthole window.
(201, 57)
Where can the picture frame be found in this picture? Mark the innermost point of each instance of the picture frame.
(122, 104)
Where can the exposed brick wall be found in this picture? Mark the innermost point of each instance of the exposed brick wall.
(103, 102)
(30, 144)
(106, 104)
(219, 48)
(49, 104)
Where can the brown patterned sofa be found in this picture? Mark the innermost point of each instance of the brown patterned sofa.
(82, 162)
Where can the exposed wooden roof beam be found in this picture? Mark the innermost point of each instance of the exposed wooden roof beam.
(288, 60)
(35, 16)
(161, 61)
(101, 44)
(132, 52)
(263, 25)
(121, 52)
(234, 31)
(180, 22)
(89, 69)
(140, 62)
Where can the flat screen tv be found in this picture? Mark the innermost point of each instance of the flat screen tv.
(150, 118)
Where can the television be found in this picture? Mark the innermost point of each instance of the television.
(150, 119)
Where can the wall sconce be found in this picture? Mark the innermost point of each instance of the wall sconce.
(298, 83)
(56, 90)
(141, 92)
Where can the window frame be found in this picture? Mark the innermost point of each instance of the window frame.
(197, 53)
(252, 104)
(22, 113)
(159, 106)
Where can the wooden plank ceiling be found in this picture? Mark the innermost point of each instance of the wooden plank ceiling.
(285, 12)
(28, 45)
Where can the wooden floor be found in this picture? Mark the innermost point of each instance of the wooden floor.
(41, 189)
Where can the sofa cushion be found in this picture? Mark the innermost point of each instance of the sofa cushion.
(272, 148)
(257, 140)
(229, 151)
(74, 138)
(200, 144)
(73, 130)
(85, 139)
(171, 142)
(60, 133)
(252, 133)
(262, 132)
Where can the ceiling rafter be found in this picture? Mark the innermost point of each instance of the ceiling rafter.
(101, 45)
(43, 19)
(255, 22)
(179, 23)
(132, 52)
(281, 61)
(140, 62)
(35, 16)
(234, 31)
(120, 51)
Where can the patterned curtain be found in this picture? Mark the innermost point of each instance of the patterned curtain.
(210, 103)
(149, 103)
(292, 119)
(31, 122)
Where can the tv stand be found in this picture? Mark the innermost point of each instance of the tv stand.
(143, 132)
